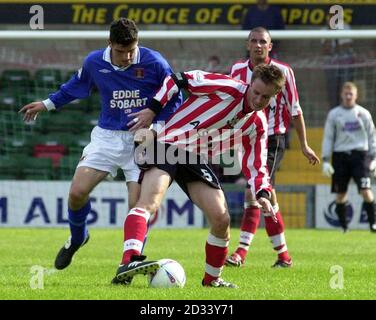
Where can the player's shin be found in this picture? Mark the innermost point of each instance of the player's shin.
(369, 208)
(216, 250)
(341, 213)
(155, 215)
(135, 230)
(248, 227)
(77, 223)
(275, 231)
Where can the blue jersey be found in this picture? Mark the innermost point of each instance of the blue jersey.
(122, 90)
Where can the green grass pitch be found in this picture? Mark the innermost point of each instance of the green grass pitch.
(314, 252)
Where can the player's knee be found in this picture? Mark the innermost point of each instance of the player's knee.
(367, 195)
(77, 197)
(221, 223)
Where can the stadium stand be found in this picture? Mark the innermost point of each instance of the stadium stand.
(34, 150)
(48, 78)
(14, 79)
(67, 166)
(35, 168)
(25, 167)
(9, 169)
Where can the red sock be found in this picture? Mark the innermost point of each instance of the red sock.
(275, 231)
(216, 252)
(135, 229)
(248, 227)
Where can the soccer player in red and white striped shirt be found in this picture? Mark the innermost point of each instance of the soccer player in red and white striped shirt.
(283, 108)
(217, 103)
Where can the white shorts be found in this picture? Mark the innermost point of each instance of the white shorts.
(110, 150)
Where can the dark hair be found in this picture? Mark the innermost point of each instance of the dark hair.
(123, 31)
(269, 74)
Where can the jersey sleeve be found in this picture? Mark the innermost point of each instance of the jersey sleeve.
(371, 133)
(164, 71)
(204, 83)
(237, 70)
(232, 71)
(78, 87)
(255, 154)
(291, 95)
(328, 139)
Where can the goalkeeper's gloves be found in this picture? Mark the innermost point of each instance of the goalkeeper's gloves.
(327, 169)
(372, 167)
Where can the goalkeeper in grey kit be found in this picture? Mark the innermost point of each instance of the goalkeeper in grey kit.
(350, 140)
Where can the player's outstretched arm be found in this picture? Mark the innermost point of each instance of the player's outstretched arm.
(299, 126)
(32, 110)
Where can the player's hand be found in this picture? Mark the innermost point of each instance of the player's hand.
(327, 169)
(141, 119)
(267, 208)
(372, 167)
(32, 110)
(310, 155)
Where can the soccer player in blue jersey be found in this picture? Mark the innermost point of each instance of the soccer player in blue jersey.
(127, 76)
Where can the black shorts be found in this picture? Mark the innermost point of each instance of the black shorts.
(182, 166)
(347, 165)
(276, 151)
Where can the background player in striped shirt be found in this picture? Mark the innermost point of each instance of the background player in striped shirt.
(127, 77)
(350, 140)
(217, 104)
(282, 109)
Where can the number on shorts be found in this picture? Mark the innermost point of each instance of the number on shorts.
(365, 183)
(206, 175)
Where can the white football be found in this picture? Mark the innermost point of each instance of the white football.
(169, 275)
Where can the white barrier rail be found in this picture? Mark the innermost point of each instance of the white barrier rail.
(190, 34)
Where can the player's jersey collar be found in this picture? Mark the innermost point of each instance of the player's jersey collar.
(107, 58)
(251, 66)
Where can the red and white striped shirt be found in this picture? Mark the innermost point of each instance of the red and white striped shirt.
(283, 106)
(217, 107)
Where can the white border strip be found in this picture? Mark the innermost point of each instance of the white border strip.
(190, 34)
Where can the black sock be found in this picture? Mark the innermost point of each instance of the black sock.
(369, 207)
(341, 213)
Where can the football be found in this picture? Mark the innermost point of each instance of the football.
(170, 275)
